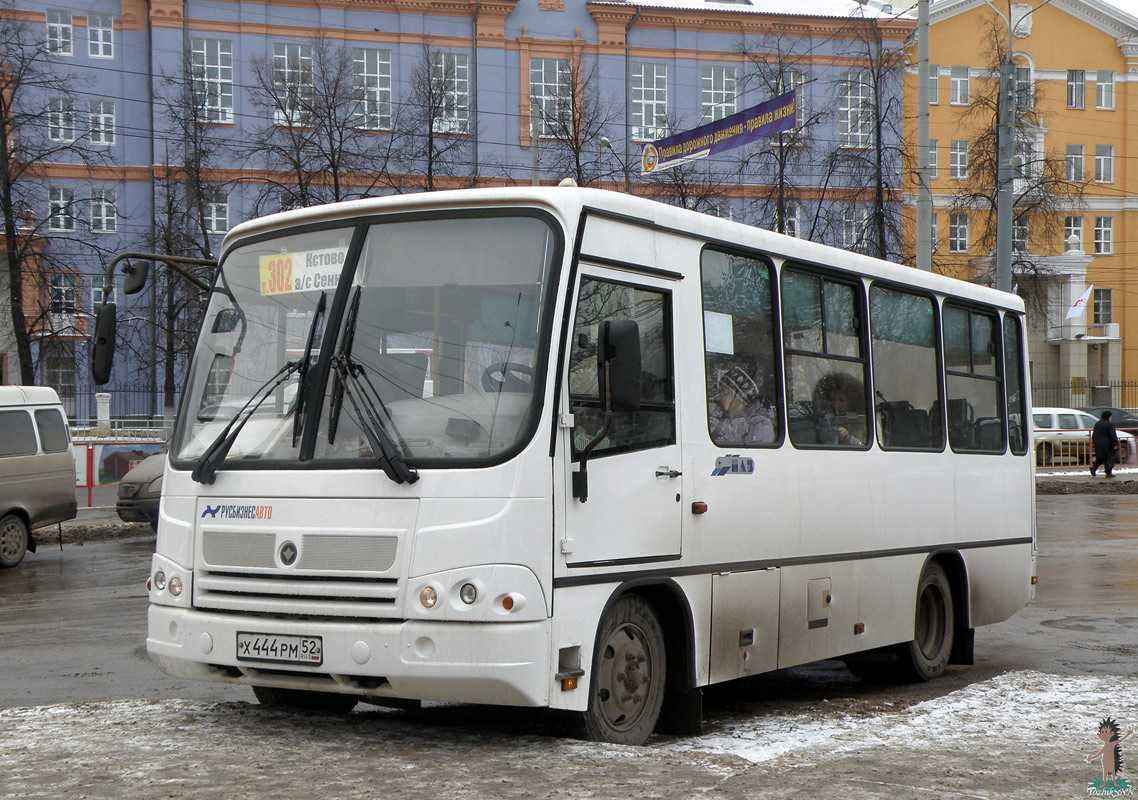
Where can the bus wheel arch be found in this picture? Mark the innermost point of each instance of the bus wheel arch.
(940, 626)
(646, 610)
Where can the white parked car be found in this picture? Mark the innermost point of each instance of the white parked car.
(1063, 437)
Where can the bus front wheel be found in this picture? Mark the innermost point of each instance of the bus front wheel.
(13, 540)
(926, 656)
(627, 687)
(328, 702)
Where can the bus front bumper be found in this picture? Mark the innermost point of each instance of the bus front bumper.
(496, 663)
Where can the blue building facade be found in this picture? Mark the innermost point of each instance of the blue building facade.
(438, 94)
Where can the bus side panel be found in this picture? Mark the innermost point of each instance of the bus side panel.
(999, 582)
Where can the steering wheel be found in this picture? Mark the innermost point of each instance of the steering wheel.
(507, 376)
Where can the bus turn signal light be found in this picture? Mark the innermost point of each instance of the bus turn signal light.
(699, 507)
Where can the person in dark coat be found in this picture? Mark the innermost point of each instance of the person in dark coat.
(1104, 439)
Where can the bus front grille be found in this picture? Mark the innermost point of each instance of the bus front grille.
(296, 595)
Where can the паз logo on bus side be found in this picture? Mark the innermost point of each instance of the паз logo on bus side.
(733, 464)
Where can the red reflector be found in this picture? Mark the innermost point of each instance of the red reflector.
(507, 602)
(859, 627)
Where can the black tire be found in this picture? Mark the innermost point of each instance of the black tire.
(13, 540)
(926, 657)
(627, 684)
(327, 702)
(1046, 455)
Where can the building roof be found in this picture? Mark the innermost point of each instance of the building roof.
(880, 9)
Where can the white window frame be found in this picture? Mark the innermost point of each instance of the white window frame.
(1104, 163)
(1104, 236)
(60, 205)
(60, 32)
(100, 35)
(212, 66)
(372, 76)
(97, 293)
(1073, 225)
(1076, 88)
(1021, 234)
(1103, 307)
(1025, 87)
(959, 94)
(934, 159)
(61, 119)
(794, 79)
(1104, 90)
(550, 95)
(62, 292)
(958, 233)
(104, 212)
(935, 230)
(792, 219)
(216, 209)
(101, 122)
(958, 159)
(855, 110)
(293, 82)
(719, 95)
(855, 221)
(934, 85)
(1076, 161)
(649, 112)
(450, 74)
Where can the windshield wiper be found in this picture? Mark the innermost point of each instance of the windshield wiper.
(368, 405)
(205, 470)
(302, 370)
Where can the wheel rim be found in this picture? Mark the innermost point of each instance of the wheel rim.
(12, 539)
(931, 622)
(625, 677)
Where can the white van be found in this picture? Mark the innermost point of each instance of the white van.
(37, 470)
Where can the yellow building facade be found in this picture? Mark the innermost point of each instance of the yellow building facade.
(1076, 184)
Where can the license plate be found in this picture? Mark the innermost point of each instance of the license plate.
(280, 648)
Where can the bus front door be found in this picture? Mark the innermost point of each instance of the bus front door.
(631, 513)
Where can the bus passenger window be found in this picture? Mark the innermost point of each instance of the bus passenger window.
(1013, 377)
(825, 361)
(906, 377)
(654, 423)
(743, 407)
(972, 380)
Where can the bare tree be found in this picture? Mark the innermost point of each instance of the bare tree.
(434, 138)
(571, 119)
(324, 137)
(39, 126)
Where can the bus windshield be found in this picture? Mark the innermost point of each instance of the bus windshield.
(434, 358)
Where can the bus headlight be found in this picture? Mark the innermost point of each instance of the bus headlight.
(428, 597)
(468, 593)
(159, 580)
(175, 586)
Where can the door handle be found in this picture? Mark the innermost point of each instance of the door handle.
(666, 472)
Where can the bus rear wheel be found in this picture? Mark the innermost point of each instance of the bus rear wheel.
(328, 702)
(926, 657)
(13, 540)
(628, 675)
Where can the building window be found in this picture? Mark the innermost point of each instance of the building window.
(958, 233)
(97, 295)
(1104, 236)
(216, 209)
(59, 32)
(551, 96)
(1104, 163)
(1020, 234)
(292, 82)
(1024, 161)
(935, 230)
(450, 81)
(934, 84)
(1076, 88)
(1103, 302)
(958, 86)
(717, 95)
(1025, 89)
(855, 110)
(100, 35)
(373, 88)
(791, 220)
(1105, 91)
(212, 65)
(793, 79)
(61, 292)
(102, 122)
(934, 160)
(1075, 163)
(60, 202)
(104, 216)
(958, 159)
(854, 224)
(59, 370)
(1073, 226)
(649, 101)
(61, 119)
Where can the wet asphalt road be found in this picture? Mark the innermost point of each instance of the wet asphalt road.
(72, 623)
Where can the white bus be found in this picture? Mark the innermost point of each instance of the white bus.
(658, 450)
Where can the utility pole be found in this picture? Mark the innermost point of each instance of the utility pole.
(1004, 171)
(924, 193)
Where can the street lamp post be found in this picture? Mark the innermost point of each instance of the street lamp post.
(607, 143)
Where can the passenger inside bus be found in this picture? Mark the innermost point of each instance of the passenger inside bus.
(741, 414)
(839, 399)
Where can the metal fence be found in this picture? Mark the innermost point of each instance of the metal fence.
(128, 405)
(1080, 394)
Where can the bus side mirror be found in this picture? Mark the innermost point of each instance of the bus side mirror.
(136, 272)
(103, 351)
(618, 365)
